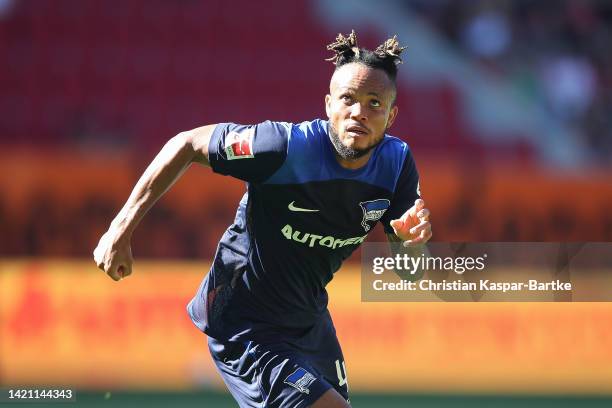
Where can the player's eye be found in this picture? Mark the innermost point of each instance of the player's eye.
(346, 99)
(375, 103)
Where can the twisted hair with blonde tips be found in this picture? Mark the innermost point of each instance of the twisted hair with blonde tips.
(386, 56)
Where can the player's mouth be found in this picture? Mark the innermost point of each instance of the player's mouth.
(357, 131)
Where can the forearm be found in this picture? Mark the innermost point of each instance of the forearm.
(412, 251)
(169, 164)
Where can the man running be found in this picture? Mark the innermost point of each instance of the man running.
(314, 191)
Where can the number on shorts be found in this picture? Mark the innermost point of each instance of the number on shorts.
(341, 371)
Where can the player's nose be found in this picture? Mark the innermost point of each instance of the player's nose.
(358, 113)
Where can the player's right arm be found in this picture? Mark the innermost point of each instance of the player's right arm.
(113, 254)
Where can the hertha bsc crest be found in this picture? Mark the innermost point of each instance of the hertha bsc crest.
(301, 380)
(373, 211)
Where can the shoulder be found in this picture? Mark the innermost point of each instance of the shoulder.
(306, 153)
(394, 149)
(265, 128)
(283, 128)
(306, 139)
(392, 153)
(392, 158)
(307, 131)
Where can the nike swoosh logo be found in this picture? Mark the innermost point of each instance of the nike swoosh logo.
(292, 207)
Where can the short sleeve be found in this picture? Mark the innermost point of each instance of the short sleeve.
(248, 152)
(406, 192)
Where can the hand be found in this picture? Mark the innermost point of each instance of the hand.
(413, 227)
(114, 255)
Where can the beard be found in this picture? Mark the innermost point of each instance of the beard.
(345, 152)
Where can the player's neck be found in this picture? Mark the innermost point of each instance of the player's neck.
(353, 164)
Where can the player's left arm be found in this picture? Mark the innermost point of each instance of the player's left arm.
(407, 218)
(410, 234)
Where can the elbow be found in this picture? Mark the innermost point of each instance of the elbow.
(184, 143)
(184, 140)
(196, 142)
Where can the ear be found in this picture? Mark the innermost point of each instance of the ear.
(392, 116)
(328, 105)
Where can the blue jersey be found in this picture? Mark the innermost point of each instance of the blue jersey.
(301, 216)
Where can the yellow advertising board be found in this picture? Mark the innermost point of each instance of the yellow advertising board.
(65, 322)
(68, 323)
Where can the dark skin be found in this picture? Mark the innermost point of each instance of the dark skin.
(360, 108)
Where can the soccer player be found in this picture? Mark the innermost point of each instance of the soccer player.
(314, 191)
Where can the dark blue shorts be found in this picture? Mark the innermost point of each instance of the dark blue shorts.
(290, 373)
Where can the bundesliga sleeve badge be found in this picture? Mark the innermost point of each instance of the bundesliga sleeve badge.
(239, 145)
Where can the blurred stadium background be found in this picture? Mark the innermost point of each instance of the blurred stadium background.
(507, 106)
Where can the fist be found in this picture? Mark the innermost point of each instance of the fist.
(114, 256)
